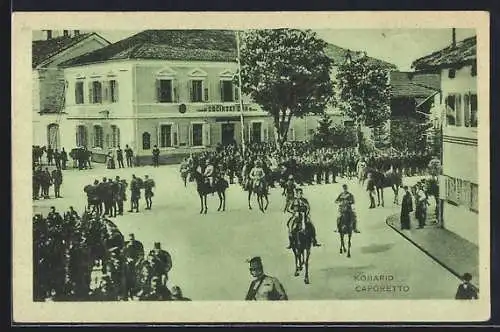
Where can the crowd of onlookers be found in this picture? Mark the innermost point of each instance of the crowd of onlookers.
(86, 258)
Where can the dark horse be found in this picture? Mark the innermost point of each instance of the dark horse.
(260, 189)
(345, 227)
(390, 179)
(203, 187)
(301, 246)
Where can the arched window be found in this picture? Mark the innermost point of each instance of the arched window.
(115, 136)
(146, 141)
(81, 136)
(53, 135)
(98, 137)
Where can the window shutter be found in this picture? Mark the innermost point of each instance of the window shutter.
(236, 94)
(205, 90)
(91, 93)
(158, 91)
(175, 97)
(190, 135)
(266, 132)
(206, 134)
(76, 92)
(249, 137)
(107, 88)
(190, 89)
(221, 85)
(116, 92)
(176, 137)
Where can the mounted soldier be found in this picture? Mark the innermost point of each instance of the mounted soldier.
(300, 219)
(258, 177)
(345, 200)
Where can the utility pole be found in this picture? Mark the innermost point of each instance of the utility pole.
(239, 92)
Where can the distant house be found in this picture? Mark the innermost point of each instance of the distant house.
(459, 190)
(171, 88)
(49, 49)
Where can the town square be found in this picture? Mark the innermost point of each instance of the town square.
(253, 165)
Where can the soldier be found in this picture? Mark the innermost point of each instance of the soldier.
(158, 292)
(64, 158)
(156, 156)
(466, 291)
(57, 159)
(406, 209)
(111, 193)
(87, 157)
(57, 179)
(370, 187)
(149, 184)
(129, 154)
(102, 191)
(135, 193)
(119, 157)
(164, 260)
(133, 249)
(50, 155)
(289, 192)
(263, 287)
(37, 182)
(72, 213)
(46, 183)
(346, 200)
(301, 205)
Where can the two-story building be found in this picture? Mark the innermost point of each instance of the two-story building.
(49, 49)
(170, 88)
(459, 181)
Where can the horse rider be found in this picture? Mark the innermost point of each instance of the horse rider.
(209, 172)
(164, 259)
(300, 206)
(346, 200)
(258, 175)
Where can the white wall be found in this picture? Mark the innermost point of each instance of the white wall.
(461, 221)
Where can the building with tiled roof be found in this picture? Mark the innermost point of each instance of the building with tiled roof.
(170, 88)
(458, 110)
(49, 50)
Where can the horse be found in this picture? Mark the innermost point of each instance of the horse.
(261, 190)
(390, 179)
(345, 226)
(203, 187)
(301, 246)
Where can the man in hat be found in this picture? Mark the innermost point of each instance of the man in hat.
(57, 179)
(466, 291)
(158, 292)
(406, 209)
(263, 287)
(156, 156)
(208, 173)
(163, 259)
(129, 154)
(289, 192)
(301, 208)
(135, 193)
(133, 249)
(370, 187)
(119, 157)
(421, 208)
(360, 170)
(148, 191)
(346, 200)
(257, 175)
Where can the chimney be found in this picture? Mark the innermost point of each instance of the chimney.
(49, 34)
(453, 38)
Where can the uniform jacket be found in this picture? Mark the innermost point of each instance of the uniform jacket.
(466, 291)
(266, 288)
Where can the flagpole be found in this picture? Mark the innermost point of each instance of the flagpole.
(239, 91)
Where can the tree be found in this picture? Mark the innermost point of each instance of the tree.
(382, 137)
(408, 134)
(363, 92)
(286, 72)
(328, 134)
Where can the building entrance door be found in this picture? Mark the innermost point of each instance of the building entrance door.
(227, 130)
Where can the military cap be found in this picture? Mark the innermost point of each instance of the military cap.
(467, 277)
(255, 261)
(157, 245)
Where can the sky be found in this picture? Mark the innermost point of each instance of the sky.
(398, 46)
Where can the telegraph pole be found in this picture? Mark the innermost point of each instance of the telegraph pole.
(239, 91)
